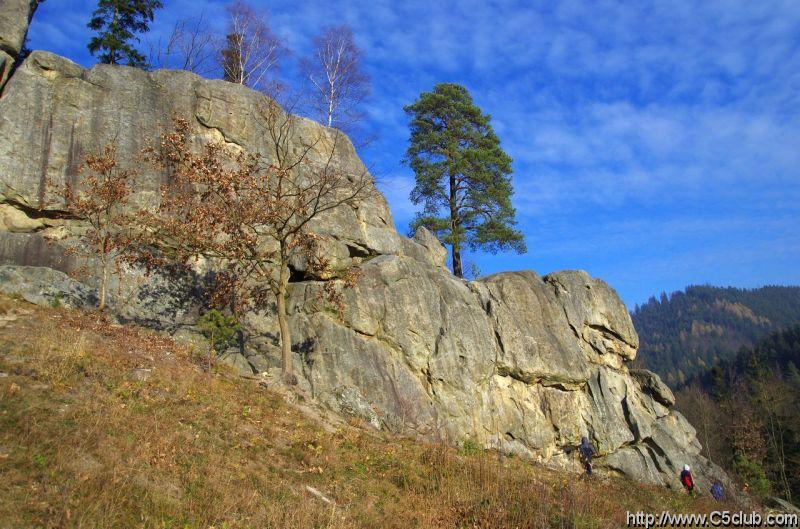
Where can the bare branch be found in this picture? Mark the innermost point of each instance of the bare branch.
(191, 46)
(251, 51)
(335, 74)
(248, 213)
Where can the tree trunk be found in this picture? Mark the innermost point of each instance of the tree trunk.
(210, 351)
(103, 284)
(776, 439)
(455, 226)
(283, 323)
(111, 50)
(457, 268)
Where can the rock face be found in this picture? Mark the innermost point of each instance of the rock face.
(14, 18)
(517, 361)
(54, 113)
(6, 62)
(45, 286)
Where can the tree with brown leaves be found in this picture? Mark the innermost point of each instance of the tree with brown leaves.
(251, 50)
(246, 217)
(338, 82)
(100, 201)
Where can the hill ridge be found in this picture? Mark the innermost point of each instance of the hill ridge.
(683, 333)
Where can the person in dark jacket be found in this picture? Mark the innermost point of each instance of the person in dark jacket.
(716, 491)
(587, 453)
(686, 479)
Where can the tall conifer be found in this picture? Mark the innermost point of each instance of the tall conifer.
(462, 174)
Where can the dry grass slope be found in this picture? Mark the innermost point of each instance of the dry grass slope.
(110, 426)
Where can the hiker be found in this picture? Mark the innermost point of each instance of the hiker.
(587, 453)
(687, 480)
(716, 490)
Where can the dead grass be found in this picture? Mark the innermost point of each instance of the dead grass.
(109, 426)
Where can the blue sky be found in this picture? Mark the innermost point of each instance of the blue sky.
(655, 144)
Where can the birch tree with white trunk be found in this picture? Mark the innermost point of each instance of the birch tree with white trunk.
(334, 72)
(250, 51)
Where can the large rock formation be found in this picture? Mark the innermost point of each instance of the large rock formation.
(517, 361)
(14, 18)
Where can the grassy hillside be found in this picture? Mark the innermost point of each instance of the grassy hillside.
(687, 332)
(110, 426)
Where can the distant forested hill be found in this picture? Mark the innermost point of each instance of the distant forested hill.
(747, 414)
(685, 333)
(778, 354)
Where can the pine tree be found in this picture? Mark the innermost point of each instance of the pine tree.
(462, 175)
(117, 22)
(231, 61)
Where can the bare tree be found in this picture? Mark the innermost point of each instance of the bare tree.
(711, 421)
(338, 83)
(100, 201)
(250, 217)
(250, 50)
(191, 46)
(776, 401)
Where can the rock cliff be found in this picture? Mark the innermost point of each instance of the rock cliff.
(14, 18)
(517, 361)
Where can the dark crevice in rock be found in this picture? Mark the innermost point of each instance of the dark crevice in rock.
(356, 250)
(650, 443)
(590, 393)
(605, 331)
(557, 285)
(74, 160)
(36, 213)
(499, 341)
(297, 276)
(566, 317)
(361, 333)
(633, 426)
(590, 344)
(562, 385)
(488, 307)
(9, 50)
(429, 379)
(656, 454)
(649, 383)
(516, 374)
(221, 132)
(602, 397)
(46, 142)
(536, 378)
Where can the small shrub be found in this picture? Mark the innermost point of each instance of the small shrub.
(40, 460)
(56, 301)
(469, 447)
(751, 473)
(219, 330)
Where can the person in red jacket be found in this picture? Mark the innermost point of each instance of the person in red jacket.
(687, 480)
